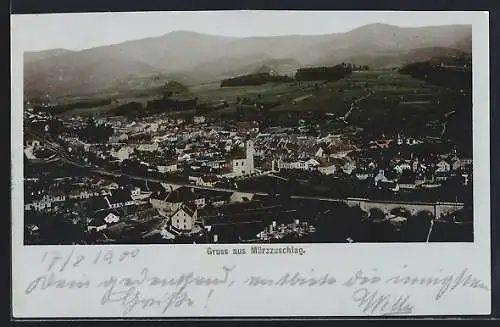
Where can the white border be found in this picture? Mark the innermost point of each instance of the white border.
(339, 260)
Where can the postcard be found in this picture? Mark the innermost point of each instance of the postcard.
(250, 164)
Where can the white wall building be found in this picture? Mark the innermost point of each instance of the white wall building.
(122, 154)
(245, 165)
(310, 164)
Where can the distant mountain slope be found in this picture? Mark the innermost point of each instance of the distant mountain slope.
(30, 57)
(80, 72)
(398, 59)
(61, 73)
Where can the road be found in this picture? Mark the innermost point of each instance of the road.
(351, 108)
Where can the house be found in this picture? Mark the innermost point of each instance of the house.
(327, 168)
(401, 166)
(111, 186)
(415, 165)
(379, 144)
(199, 119)
(123, 153)
(461, 163)
(118, 138)
(57, 196)
(148, 147)
(207, 180)
(194, 177)
(102, 220)
(443, 166)
(136, 194)
(380, 177)
(241, 197)
(151, 128)
(310, 164)
(362, 174)
(184, 218)
(184, 157)
(220, 200)
(168, 168)
(349, 166)
(169, 202)
(81, 194)
(39, 203)
(407, 141)
(158, 201)
(119, 198)
(320, 152)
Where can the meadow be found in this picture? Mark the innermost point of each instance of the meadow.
(383, 92)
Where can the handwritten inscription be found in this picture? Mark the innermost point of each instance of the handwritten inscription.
(374, 302)
(55, 259)
(132, 297)
(288, 279)
(50, 280)
(156, 292)
(446, 283)
(126, 290)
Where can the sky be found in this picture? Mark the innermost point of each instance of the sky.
(88, 30)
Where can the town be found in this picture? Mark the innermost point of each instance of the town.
(336, 144)
(164, 179)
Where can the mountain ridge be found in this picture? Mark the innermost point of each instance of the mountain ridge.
(61, 72)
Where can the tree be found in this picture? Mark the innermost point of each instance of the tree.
(416, 228)
(401, 212)
(376, 213)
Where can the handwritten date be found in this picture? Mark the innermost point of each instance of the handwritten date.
(61, 261)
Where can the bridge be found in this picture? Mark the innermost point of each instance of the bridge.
(437, 209)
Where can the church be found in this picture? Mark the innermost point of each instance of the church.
(245, 165)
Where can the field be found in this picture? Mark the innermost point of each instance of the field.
(369, 93)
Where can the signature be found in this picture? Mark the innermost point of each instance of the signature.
(374, 302)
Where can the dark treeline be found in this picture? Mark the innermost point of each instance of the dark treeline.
(137, 109)
(62, 108)
(448, 76)
(333, 73)
(254, 79)
(167, 104)
(95, 133)
(128, 109)
(172, 88)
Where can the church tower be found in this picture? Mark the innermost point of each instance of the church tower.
(250, 152)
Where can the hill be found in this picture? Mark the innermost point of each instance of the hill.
(30, 57)
(61, 72)
(400, 59)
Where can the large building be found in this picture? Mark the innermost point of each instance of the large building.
(245, 166)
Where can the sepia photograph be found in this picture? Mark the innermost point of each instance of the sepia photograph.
(224, 128)
(187, 164)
